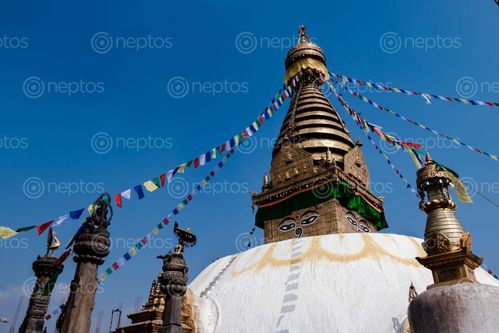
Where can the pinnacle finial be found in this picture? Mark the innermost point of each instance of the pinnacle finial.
(52, 242)
(303, 34)
(428, 159)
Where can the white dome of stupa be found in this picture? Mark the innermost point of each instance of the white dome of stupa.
(330, 283)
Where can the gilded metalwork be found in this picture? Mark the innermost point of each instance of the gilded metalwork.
(447, 246)
(52, 242)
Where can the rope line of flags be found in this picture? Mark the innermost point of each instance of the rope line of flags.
(426, 96)
(383, 108)
(158, 182)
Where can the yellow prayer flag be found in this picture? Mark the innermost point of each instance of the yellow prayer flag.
(181, 168)
(150, 186)
(155, 231)
(6, 232)
(180, 206)
(132, 251)
(236, 139)
(214, 153)
(414, 158)
(462, 193)
(103, 276)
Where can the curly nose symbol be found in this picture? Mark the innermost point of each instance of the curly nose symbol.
(298, 232)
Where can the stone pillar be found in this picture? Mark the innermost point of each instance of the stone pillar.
(91, 247)
(173, 282)
(45, 268)
(458, 308)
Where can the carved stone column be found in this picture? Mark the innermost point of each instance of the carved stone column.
(91, 247)
(174, 285)
(45, 268)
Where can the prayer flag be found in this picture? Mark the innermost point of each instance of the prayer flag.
(25, 228)
(60, 219)
(139, 190)
(414, 158)
(202, 159)
(162, 179)
(6, 232)
(117, 198)
(126, 194)
(42, 227)
(75, 215)
(62, 257)
(150, 186)
(156, 182)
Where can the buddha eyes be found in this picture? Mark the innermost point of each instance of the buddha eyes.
(287, 225)
(291, 224)
(309, 219)
(361, 225)
(352, 221)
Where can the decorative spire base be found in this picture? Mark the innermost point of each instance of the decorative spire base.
(451, 267)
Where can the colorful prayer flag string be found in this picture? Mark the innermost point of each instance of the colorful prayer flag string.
(488, 270)
(383, 108)
(426, 96)
(180, 206)
(362, 123)
(152, 185)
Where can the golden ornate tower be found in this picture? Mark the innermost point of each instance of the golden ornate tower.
(447, 245)
(319, 181)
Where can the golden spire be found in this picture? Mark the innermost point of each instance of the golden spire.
(447, 245)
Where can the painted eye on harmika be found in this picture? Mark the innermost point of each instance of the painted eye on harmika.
(309, 218)
(287, 225)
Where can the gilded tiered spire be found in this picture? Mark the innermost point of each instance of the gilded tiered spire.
(319, 182)
(447, 245)
(312, 123)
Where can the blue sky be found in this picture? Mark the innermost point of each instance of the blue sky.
(445, 47)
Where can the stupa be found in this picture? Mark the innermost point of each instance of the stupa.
(324, 267)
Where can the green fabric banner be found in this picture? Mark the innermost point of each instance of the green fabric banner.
(341, 191)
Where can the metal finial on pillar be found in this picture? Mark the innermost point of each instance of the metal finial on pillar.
(173, 280)
(47, 269)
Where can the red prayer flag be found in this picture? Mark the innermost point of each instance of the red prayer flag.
(410, 144)
(162, 179)
(196, 162)
(62, 258)
(166, 222)
(115, 266)
(42, 227)
(119, 202)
